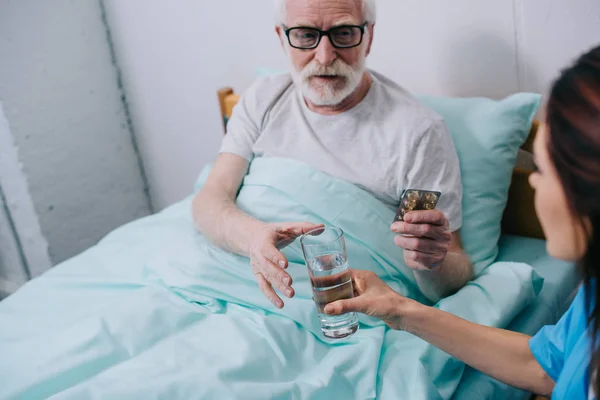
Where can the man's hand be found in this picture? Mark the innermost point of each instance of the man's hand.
(269, 264)
(428, 238)
(435, 254)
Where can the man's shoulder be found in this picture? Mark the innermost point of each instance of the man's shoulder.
(266, 91)
(258, 100)
(405, 106)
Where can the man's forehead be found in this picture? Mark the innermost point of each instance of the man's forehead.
(323, 13)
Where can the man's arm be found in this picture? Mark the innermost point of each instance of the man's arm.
(217, 216)
(215, 212)
(454, 272)
(430, 238)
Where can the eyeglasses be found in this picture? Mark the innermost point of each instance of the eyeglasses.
(341, 37)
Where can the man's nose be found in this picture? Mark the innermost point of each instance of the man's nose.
(326, 54)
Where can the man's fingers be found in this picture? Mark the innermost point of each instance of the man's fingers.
(276, 257)
(277, 277)
(297, 228)
(430, 231)
(423, 245)
(268, 291)
(434, 217)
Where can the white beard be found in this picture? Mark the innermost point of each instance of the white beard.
(333, 93)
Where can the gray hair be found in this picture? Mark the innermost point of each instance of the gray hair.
(369, 11)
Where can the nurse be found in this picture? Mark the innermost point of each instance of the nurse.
(559, 360)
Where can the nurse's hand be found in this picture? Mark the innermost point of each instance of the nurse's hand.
(373, 297)
(499, 353)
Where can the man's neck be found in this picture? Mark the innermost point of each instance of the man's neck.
(350, 102)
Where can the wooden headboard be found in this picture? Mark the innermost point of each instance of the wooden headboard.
(519, 216)
(227, 100)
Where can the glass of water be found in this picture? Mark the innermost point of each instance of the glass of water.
(325, 255)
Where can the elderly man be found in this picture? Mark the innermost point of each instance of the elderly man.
(334, 114)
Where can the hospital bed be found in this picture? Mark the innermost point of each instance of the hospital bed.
(522, 240)
(154, 311)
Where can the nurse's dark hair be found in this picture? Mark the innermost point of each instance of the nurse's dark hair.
(573, 121)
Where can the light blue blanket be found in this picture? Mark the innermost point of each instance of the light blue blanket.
(155, 312)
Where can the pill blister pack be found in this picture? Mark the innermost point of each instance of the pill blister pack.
(416, 200)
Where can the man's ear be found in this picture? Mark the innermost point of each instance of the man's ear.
(280, 35)
(371, 30)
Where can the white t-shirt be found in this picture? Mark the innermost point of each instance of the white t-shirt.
(386, 144)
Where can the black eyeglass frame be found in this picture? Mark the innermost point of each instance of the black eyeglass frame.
(326, 33)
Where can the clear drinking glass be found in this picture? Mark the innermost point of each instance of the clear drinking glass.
(325, 255)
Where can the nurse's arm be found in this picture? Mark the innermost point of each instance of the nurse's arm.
(502, 354)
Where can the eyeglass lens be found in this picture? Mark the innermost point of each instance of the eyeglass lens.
(340, 37)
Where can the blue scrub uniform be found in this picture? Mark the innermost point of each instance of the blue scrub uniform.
(564, 351)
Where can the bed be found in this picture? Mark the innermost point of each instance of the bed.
(155, 311)
(522, 240)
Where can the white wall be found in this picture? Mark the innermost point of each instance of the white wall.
(23, 248)
(176, 54)
(13, 271)
(61, 98)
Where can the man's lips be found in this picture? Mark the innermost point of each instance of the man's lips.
(326, 77)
